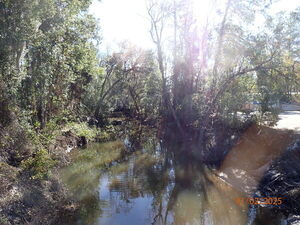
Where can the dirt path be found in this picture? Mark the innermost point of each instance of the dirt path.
(247, 161)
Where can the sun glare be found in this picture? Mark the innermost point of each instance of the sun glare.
(204, 11)
(129, 21)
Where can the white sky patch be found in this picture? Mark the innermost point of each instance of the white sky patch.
(127, 19)
(285, 5)
(122, 20)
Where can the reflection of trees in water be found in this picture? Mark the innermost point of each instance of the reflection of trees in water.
(83, 175)
(84, 188)
(119, 201)
(170, 180)
(188, 194)
(166, 173)
(90, 209)
(176, 184)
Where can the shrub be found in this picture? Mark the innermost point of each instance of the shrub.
(4, 220)
(82, 129)
(269, 118)
(39, 165)
(107, 134)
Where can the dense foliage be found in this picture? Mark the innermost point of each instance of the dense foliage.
(199, 76)
(200, 80)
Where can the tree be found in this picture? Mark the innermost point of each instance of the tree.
(201, 71)
(48, 56)
(126, 83)
(279, 80)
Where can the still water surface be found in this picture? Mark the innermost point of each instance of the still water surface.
(116, 185)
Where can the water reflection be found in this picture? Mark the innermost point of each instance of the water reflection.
(153, 186)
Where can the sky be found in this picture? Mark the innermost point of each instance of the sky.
(127, 20)
(122, 20)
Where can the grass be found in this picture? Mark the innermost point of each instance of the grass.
(82, 177)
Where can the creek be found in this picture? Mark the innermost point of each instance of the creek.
(126, 183)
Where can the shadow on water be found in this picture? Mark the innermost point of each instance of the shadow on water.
(145, 182)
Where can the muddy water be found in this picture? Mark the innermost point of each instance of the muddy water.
(150, 186)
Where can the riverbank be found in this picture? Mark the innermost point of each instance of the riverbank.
(157, 181)
(31, 191)
(31, 184)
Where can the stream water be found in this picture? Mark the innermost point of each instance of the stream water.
(116, 185)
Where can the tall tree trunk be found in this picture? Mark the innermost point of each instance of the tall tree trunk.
(211, 95)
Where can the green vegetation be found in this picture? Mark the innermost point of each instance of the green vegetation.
(82, 129)
(57, 91)
(39, 165)
(98, 157)
(52, 78)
